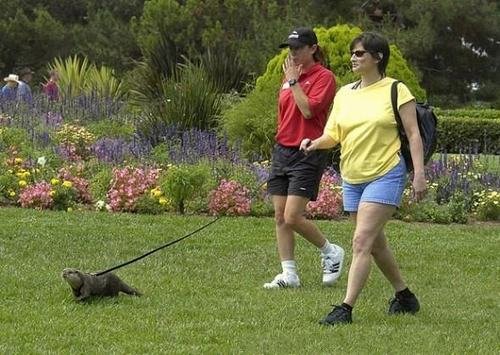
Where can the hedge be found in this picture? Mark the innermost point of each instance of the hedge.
(458, 134)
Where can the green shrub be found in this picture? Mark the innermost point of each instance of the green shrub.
(457, 134)
(182, 183)
(188, 99)
(252, 122)
(77, 77)
(111, 129)
(469, 113)
(10, 136)
(100, 181)
(488, 205)
(159, 154)
(147, 204)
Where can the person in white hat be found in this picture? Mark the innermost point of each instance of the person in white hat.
(9, 90)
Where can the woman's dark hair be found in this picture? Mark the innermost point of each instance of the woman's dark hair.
(319, 56)
(374, 43)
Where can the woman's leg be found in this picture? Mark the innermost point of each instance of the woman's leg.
(370, 220)
(384, 258)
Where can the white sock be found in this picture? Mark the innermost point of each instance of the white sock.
(289, 266)
(328, 248)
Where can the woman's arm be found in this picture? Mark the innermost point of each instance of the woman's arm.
(323, 142)
(408, 115)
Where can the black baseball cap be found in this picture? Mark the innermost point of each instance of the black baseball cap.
(300, 37)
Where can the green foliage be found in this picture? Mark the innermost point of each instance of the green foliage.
(252, 122)
(159, 154)
(182, 182)
(73, 72)
(187, 99)
(444, 38)
(77, 77)
(456, 134)
(147, 204)
(12, 137)
(111, 129)
(469, 113)
(235, 28)
(100, 182)
(103, 83)
(64, 197)
(488, 205)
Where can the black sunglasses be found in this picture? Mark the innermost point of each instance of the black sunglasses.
(359, 53)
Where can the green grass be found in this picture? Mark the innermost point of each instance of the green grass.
(204, 295)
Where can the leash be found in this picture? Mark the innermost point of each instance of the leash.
(167, 244)
(157, 249)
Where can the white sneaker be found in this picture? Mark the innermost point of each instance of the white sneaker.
(284, 280)
(332, 265)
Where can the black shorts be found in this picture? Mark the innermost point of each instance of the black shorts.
(295, 173)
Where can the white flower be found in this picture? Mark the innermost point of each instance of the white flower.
(42, 161)
(99, 205)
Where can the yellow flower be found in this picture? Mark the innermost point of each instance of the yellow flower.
(156, 193)
(70, 209)
(67, 184)
(52, 193)
(12, 194)
(22, 183)
(163, 201)
(18, 160)
(54, 181)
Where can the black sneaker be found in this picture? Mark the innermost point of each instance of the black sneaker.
(338, 315)
(399, 305)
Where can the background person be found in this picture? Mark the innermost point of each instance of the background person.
(9, 90)
(373, 171)
(304, 100)
(51, 87)
(24, 90)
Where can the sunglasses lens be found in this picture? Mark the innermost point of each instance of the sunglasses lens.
(358, 54)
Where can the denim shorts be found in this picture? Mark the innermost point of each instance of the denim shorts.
(386, 189)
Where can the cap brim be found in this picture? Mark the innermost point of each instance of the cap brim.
(292, 42)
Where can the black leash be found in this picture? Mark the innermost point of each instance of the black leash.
(157, 249)
(165, 245)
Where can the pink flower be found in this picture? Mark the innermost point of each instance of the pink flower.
(230, 198)
(329, 201)
(128, 184)
(37, 196)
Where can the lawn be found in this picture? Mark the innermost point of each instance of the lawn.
(205, 295)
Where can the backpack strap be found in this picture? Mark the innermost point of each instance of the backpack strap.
(356, 85)
(394, 100)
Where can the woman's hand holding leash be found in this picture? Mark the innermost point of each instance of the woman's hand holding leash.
(307, 145)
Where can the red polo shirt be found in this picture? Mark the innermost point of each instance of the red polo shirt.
(318, 83)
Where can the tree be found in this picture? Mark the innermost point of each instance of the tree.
(455, 44)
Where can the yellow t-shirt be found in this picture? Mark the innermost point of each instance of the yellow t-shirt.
(363, 122)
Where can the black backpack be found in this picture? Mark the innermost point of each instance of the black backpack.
(427, 124)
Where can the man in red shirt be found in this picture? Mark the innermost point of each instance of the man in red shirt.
(304, 101)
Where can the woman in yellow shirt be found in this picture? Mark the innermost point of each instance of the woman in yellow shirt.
(373, 171)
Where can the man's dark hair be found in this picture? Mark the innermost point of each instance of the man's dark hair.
(374, 43)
